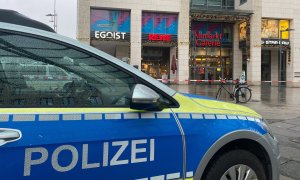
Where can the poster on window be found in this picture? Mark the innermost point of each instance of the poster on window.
(243, 31)
(284, 25)
(160, 27)
(159, 23)
(270, 29)
(110, 24)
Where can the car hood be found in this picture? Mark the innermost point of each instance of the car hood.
(202, 104)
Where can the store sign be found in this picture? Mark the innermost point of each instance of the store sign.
(160, 37)
(110, 35)
(208, 40)
(275, 42)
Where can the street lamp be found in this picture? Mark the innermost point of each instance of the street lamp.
(280, 54)
(53, 17)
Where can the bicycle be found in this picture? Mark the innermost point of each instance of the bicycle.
(241, 92)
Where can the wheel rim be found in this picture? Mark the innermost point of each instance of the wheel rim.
(239, 172)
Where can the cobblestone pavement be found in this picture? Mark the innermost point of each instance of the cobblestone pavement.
(281, 107)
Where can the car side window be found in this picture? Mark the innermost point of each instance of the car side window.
(36, 72)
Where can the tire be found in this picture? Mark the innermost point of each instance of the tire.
(219, 94)
(231, 163)
(243, 94)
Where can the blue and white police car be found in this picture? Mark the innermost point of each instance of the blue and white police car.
(113, 121)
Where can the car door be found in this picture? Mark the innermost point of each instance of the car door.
(81, 128)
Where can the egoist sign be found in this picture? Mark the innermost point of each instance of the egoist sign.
(109, 35)
(208, 40)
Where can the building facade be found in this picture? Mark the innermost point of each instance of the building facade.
(151, 35)
(198, 39)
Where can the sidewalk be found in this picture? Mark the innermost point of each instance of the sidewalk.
(281, 108)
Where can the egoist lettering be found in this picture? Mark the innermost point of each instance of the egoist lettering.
(208, 40)
(109, 35)
(113, 154)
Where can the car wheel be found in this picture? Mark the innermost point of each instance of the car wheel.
(236, 165)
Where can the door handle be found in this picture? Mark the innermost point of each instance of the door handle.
(9, 135)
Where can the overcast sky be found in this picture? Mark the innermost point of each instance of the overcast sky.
(37, 9)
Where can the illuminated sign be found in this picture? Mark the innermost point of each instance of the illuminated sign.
(275, 42)
(159, 37)
(109, 35)
(208, 40)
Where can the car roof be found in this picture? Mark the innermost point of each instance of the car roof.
(13, 17)
(114, 60)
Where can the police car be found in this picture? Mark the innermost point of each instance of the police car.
(115, 122)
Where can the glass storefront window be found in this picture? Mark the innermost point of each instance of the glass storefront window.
(213, 51)
(212, 61)
(159, 23)
(212, 4)
(269, 28)
(227, 33)
(156, 61)
(199, 2)
(284, 25)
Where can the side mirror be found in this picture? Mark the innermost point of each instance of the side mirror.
(144, 98)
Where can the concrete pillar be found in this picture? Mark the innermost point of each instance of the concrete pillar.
(183, 42)
(237, 53)
(254, 65)
(136, 37)
(83, 21)
(293, 68)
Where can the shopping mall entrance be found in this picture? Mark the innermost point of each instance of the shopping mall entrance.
(211, 51)
(156, 61)
(212, 65)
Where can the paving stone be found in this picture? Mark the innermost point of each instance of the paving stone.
(290, 153)
(291, 169)
(285, 132)
(271, 121)
(285, 178)
(296, 128)
(296, 140)
(294, 121)
(282, 125)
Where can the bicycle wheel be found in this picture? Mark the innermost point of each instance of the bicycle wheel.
(243, 94)
(219, 93)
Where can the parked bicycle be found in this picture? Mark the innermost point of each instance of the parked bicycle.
(241, 92)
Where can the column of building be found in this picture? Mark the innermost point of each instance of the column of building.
(254, 63)
(237, 53)
(135, 38)
(83, 33)
(183, 42)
